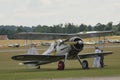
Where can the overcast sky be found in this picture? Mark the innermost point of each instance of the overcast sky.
(50, 12)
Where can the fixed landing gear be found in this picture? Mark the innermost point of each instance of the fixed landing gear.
(61, 65)
(85, 64)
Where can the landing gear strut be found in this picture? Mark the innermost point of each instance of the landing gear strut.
(61, 65)
(84, 63)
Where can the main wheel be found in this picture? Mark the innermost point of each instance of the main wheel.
(61, 65)
(85, 64)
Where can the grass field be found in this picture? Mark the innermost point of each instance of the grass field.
(10, 70)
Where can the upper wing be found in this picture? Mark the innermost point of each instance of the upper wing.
(50, 36)
(49, 58)
(82, 56)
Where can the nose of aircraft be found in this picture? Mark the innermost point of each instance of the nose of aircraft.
(78, 46)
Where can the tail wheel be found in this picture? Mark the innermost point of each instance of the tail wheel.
(85, 64)
(61, 65)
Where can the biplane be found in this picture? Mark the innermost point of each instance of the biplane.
(63, 50)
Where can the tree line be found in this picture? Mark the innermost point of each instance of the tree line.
(10, 30)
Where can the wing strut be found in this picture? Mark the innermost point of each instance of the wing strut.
(79, 59)
(66, 55)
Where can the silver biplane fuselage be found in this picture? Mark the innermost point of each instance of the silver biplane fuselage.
(70, 47)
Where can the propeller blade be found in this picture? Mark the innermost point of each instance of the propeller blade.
(72, 43)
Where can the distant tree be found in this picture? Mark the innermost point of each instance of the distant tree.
(3, 31)
(82, 27)
(118, 27)
(41, 29)
(89, 28)
(10, 33)
(57, 28)
(108, 26)
(70, 28)
(117, 31)
(20, 29)
(37, 28)
(99, 27)
(10, 30)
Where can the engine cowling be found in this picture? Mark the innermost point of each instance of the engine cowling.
(77, 47)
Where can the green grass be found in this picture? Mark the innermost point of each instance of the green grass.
(10, 70)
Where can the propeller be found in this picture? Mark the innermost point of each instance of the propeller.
(72, 43)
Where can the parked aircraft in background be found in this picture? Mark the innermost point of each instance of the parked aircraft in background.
(45, 43)
(114, 41)
(14, 45)
(60, 50)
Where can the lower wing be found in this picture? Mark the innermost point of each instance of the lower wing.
(38, 59)
(91, 55)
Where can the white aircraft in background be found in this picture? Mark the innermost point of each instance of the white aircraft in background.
(114, 41)
(60, 50)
